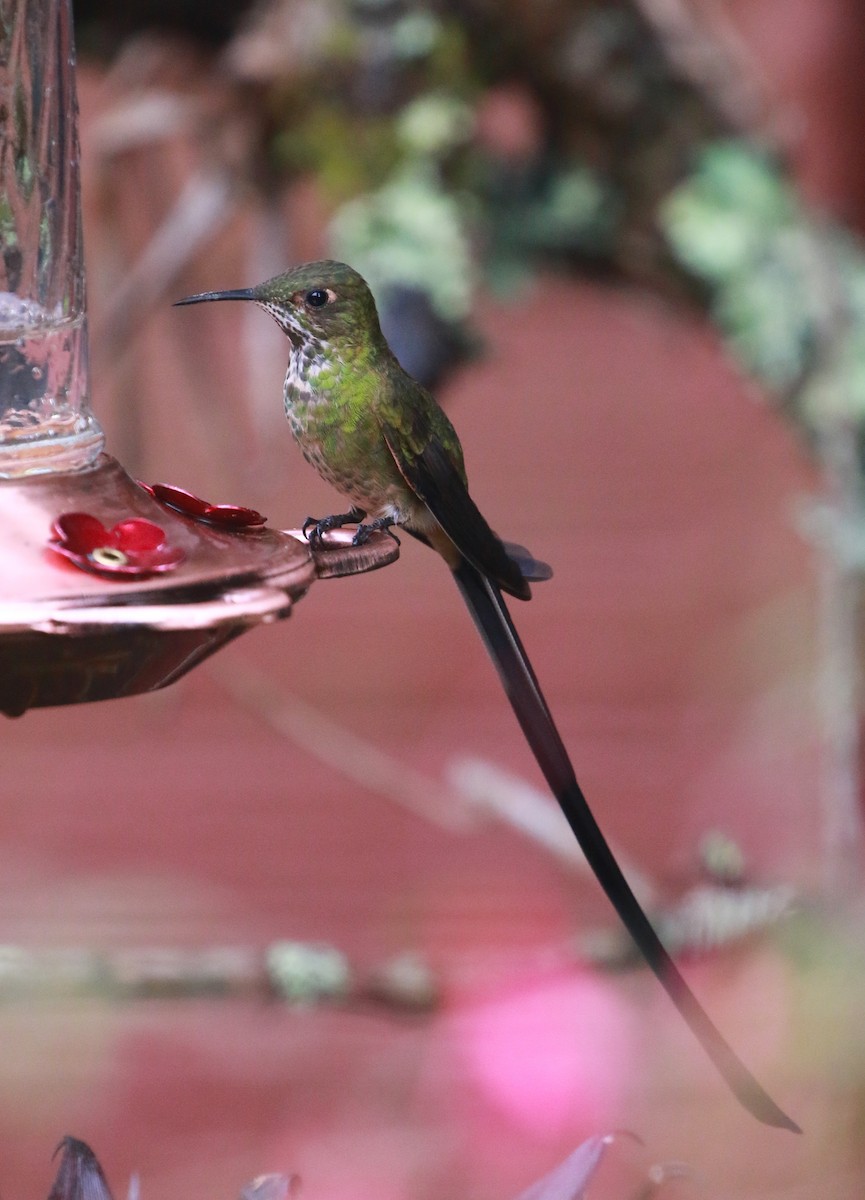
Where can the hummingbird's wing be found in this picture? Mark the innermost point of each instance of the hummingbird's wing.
(430, 472)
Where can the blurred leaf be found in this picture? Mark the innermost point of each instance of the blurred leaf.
(304, 974)
(569, 1180)
(574, 212)
(415, 34)
(348, 154)
(79, 1176)
(270, 1187)
(709, 241)
(410, 232)
(767, 315)
(434, 124)
(837, 393)
(737, 225)
(722, 214)
(738, 175)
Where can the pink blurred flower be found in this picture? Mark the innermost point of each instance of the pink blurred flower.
(131, 549)
(555, 1056)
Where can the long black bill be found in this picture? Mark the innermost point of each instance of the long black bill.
(237, 294)
(495, 626)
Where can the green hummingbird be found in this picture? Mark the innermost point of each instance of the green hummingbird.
(382, 440)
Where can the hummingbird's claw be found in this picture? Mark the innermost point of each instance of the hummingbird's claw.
(365, 532)
(314, 528)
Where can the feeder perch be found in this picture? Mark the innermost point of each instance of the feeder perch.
(80, 620)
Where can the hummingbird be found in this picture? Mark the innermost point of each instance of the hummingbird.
(383, 442)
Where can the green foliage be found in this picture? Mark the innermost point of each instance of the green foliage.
(570, 210)
(346, 153)
(434, 125)
(8, 225)
(736, 224)
(23, 165)
(767, 315)
(382, 116)
(787, 292)
(381, 120)
(836, 393)
(729, 209)
(410, 231)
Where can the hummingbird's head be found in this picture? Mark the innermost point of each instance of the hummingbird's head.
(315, 303)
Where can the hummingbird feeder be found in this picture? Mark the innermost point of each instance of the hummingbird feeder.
(110, 587)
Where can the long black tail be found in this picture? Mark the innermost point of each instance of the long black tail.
(493, 621)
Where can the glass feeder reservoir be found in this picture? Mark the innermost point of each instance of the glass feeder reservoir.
(107, 588)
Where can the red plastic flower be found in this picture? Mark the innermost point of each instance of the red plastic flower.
(235, 516)
(131, 549)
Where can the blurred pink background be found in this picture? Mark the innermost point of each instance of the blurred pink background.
(677, 644)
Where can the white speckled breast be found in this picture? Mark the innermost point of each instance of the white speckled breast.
(379, 492)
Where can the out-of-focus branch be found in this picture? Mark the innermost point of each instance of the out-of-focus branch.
(706, 917)
(296, 973)
(203, 208)
(477, 790)
(510, 799)
(354, 757)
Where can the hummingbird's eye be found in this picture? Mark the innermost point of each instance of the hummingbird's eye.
(317, 298)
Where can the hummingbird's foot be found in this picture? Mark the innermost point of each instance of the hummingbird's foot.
(314, 528)
(365, 532)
